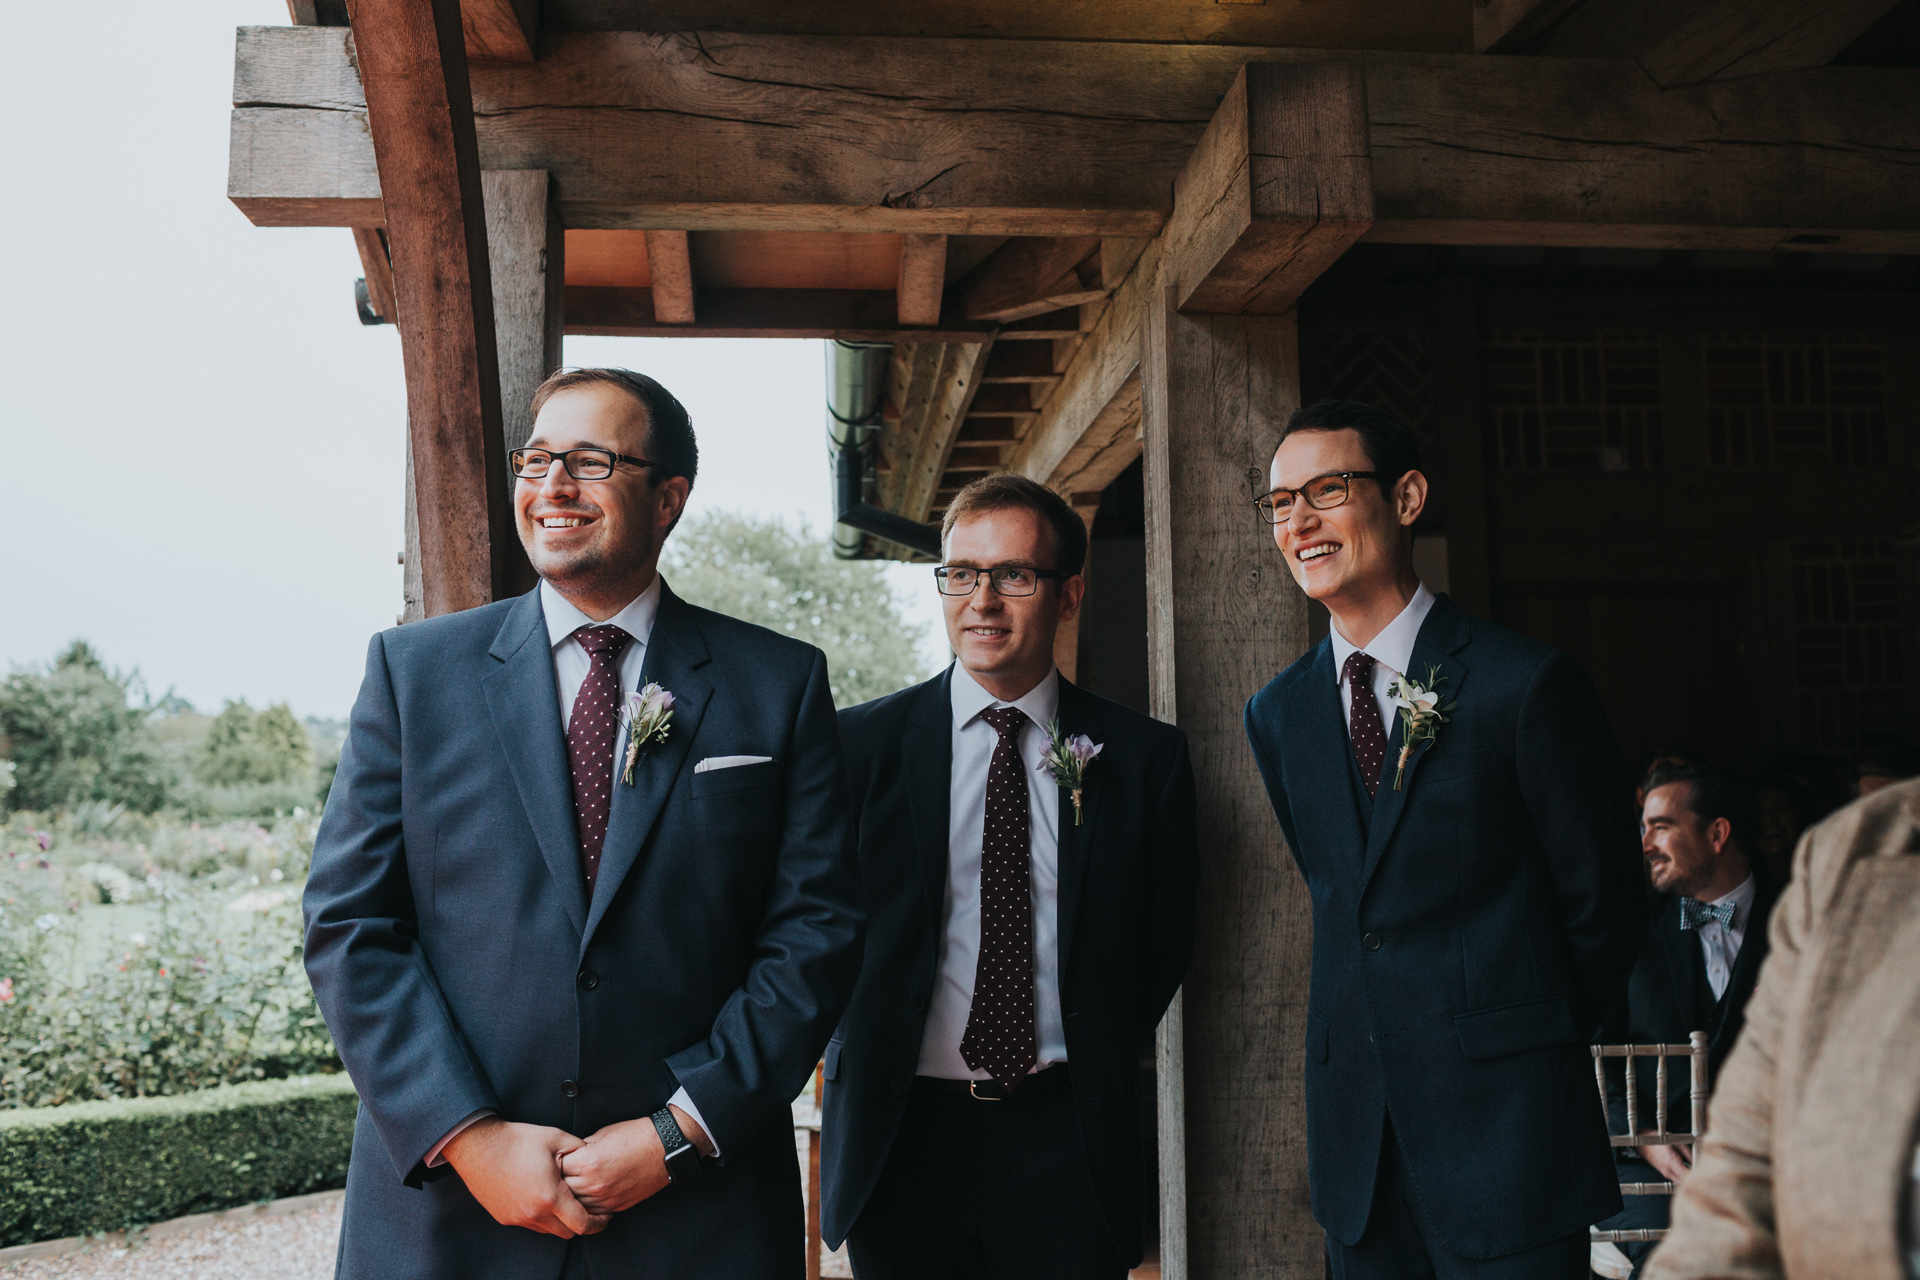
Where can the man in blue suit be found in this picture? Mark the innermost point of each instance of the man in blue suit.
(1454, 799)
(578, 980)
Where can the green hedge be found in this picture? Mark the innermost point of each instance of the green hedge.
(106, 1166)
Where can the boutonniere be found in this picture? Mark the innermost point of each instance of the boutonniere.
(645, 718)
(1067, 760)
(1421, 715)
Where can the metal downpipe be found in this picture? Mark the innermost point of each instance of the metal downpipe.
(856, 392)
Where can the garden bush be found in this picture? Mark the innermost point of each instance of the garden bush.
(107, 1166)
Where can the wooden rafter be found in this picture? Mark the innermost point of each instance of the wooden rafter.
(1087, 139)
(414, 67)
(1724, 39)
(923, 278)
(932, 384)
(670, 270)
(852, 315)
(500, 30)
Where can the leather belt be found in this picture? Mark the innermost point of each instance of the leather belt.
(1040, 1084)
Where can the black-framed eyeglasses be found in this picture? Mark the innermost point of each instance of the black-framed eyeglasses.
(581, 464)
(1321, 493)
(1007, 579)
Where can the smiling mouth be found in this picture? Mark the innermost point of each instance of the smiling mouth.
(1318, 552)
(560, 522)
(989, 631)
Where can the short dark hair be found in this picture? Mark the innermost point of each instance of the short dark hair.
(1710, 795)
(1392, 447)
(671, 446)
(1007, 491)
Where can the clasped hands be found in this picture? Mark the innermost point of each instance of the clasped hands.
(547, 1180)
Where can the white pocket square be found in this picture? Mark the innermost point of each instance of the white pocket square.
(728, 762)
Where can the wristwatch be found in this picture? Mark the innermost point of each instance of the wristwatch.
(683, 1158)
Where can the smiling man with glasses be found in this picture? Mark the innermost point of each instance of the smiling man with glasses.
(1470, 849)
(1025, 933)
(578, 982)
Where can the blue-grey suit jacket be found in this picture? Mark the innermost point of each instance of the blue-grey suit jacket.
(1471, 929)
(462, 965)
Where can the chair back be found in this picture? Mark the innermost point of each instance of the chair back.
(1695, 1052)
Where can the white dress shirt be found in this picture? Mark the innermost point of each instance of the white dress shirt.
(958, 956)
(1391, 651)
(1721, 946)
(571, 665)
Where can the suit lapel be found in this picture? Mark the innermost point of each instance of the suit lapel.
(675, 651)
(1442, 635)
(928, 749)
(1079, 713)
(525, 706)
(1685, 967)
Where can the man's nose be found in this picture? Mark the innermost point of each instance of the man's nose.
(558, 485)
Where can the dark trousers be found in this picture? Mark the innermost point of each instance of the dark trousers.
(1398, 1244)
(1642, 1213)
(985, 1191)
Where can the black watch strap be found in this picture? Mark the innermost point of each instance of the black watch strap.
(683, 1158)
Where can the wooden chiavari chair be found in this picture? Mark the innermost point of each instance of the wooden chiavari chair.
(1696, 1054)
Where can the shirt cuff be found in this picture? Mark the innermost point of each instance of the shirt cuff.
(434, 1157)
(685, 1103)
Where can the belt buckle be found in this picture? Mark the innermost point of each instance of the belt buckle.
(973, 1087)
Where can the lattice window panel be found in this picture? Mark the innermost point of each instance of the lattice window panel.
(1847, 652)
(1573, 402)
(1391, 369)
(1796, 400)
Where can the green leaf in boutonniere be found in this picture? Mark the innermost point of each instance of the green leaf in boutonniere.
(1067, 760)
(646, 717)
(1421, 715)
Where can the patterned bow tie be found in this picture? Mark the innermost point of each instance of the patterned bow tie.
(1694, 914)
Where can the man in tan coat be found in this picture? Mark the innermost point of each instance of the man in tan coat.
(1807, 1168)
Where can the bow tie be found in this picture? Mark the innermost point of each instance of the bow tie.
(1694, 914)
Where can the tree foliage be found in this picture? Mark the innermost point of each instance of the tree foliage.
(74, 734)
(247, 746)
(762, 571)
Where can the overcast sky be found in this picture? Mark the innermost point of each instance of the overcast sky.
(204, 446)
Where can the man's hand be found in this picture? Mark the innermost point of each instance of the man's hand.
(513, 1170)
(1671, 1162)
(624, 1163)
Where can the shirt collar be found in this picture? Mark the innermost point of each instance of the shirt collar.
(1742, 900)
(1393, 647)
(563, 618)
(1040, 704)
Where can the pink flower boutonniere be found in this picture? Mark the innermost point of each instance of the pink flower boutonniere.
(1067, 760)
(645, 718)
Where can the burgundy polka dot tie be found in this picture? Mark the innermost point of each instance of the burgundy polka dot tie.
(1363, 720)
(591, 730)
(1000, 1038)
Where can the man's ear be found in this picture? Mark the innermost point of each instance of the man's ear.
(1072, 591)
(1409, 497)
(1719, 831)
(671, 496)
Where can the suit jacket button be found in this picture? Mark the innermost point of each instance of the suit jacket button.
(569, 1088)
(1371, 942)
(919, 1003)
(900, 1087)
(587, 979)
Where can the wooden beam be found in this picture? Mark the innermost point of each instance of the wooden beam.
(1087, 139)
(933, 384)
(1280, 185)
(526, 251)
(377, 266)
(1725, 39)
(414, 64)
(1031, 275)
(923, 278)
(670, 268)
(852, 315)
(1223, 618)
(500, 30)
(1499, 26)
(1056, 448)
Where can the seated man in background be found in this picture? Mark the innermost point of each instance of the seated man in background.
(1702, 955)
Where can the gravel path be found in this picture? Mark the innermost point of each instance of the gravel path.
(286, 1246)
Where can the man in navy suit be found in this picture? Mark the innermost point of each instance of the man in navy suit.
(578, 982)
(1025, 933)
(1470, 851)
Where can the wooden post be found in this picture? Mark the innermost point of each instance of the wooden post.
(1223, 618)
(413, 65)
(526, 250)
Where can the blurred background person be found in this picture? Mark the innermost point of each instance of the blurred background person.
(1882, 768)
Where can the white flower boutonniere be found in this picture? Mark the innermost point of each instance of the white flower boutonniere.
(1421, 715)
(645, 718)
(1067, 760)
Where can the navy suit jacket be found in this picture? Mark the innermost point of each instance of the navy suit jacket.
(461, 964)
(1128, 874)
(1471, 929)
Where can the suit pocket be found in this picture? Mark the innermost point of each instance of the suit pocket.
(832, 1069)
(741, 777)
(1515, 1028)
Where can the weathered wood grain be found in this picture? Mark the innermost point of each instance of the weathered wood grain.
(1278, 188)
(371, 244)
(1223, 616)
(1041, 138)
(1725, 39)
(413, 63)
(852, 315)
(933, 384)
(500, 30)
(1031, 275)
(670, 275)
(923, 278)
